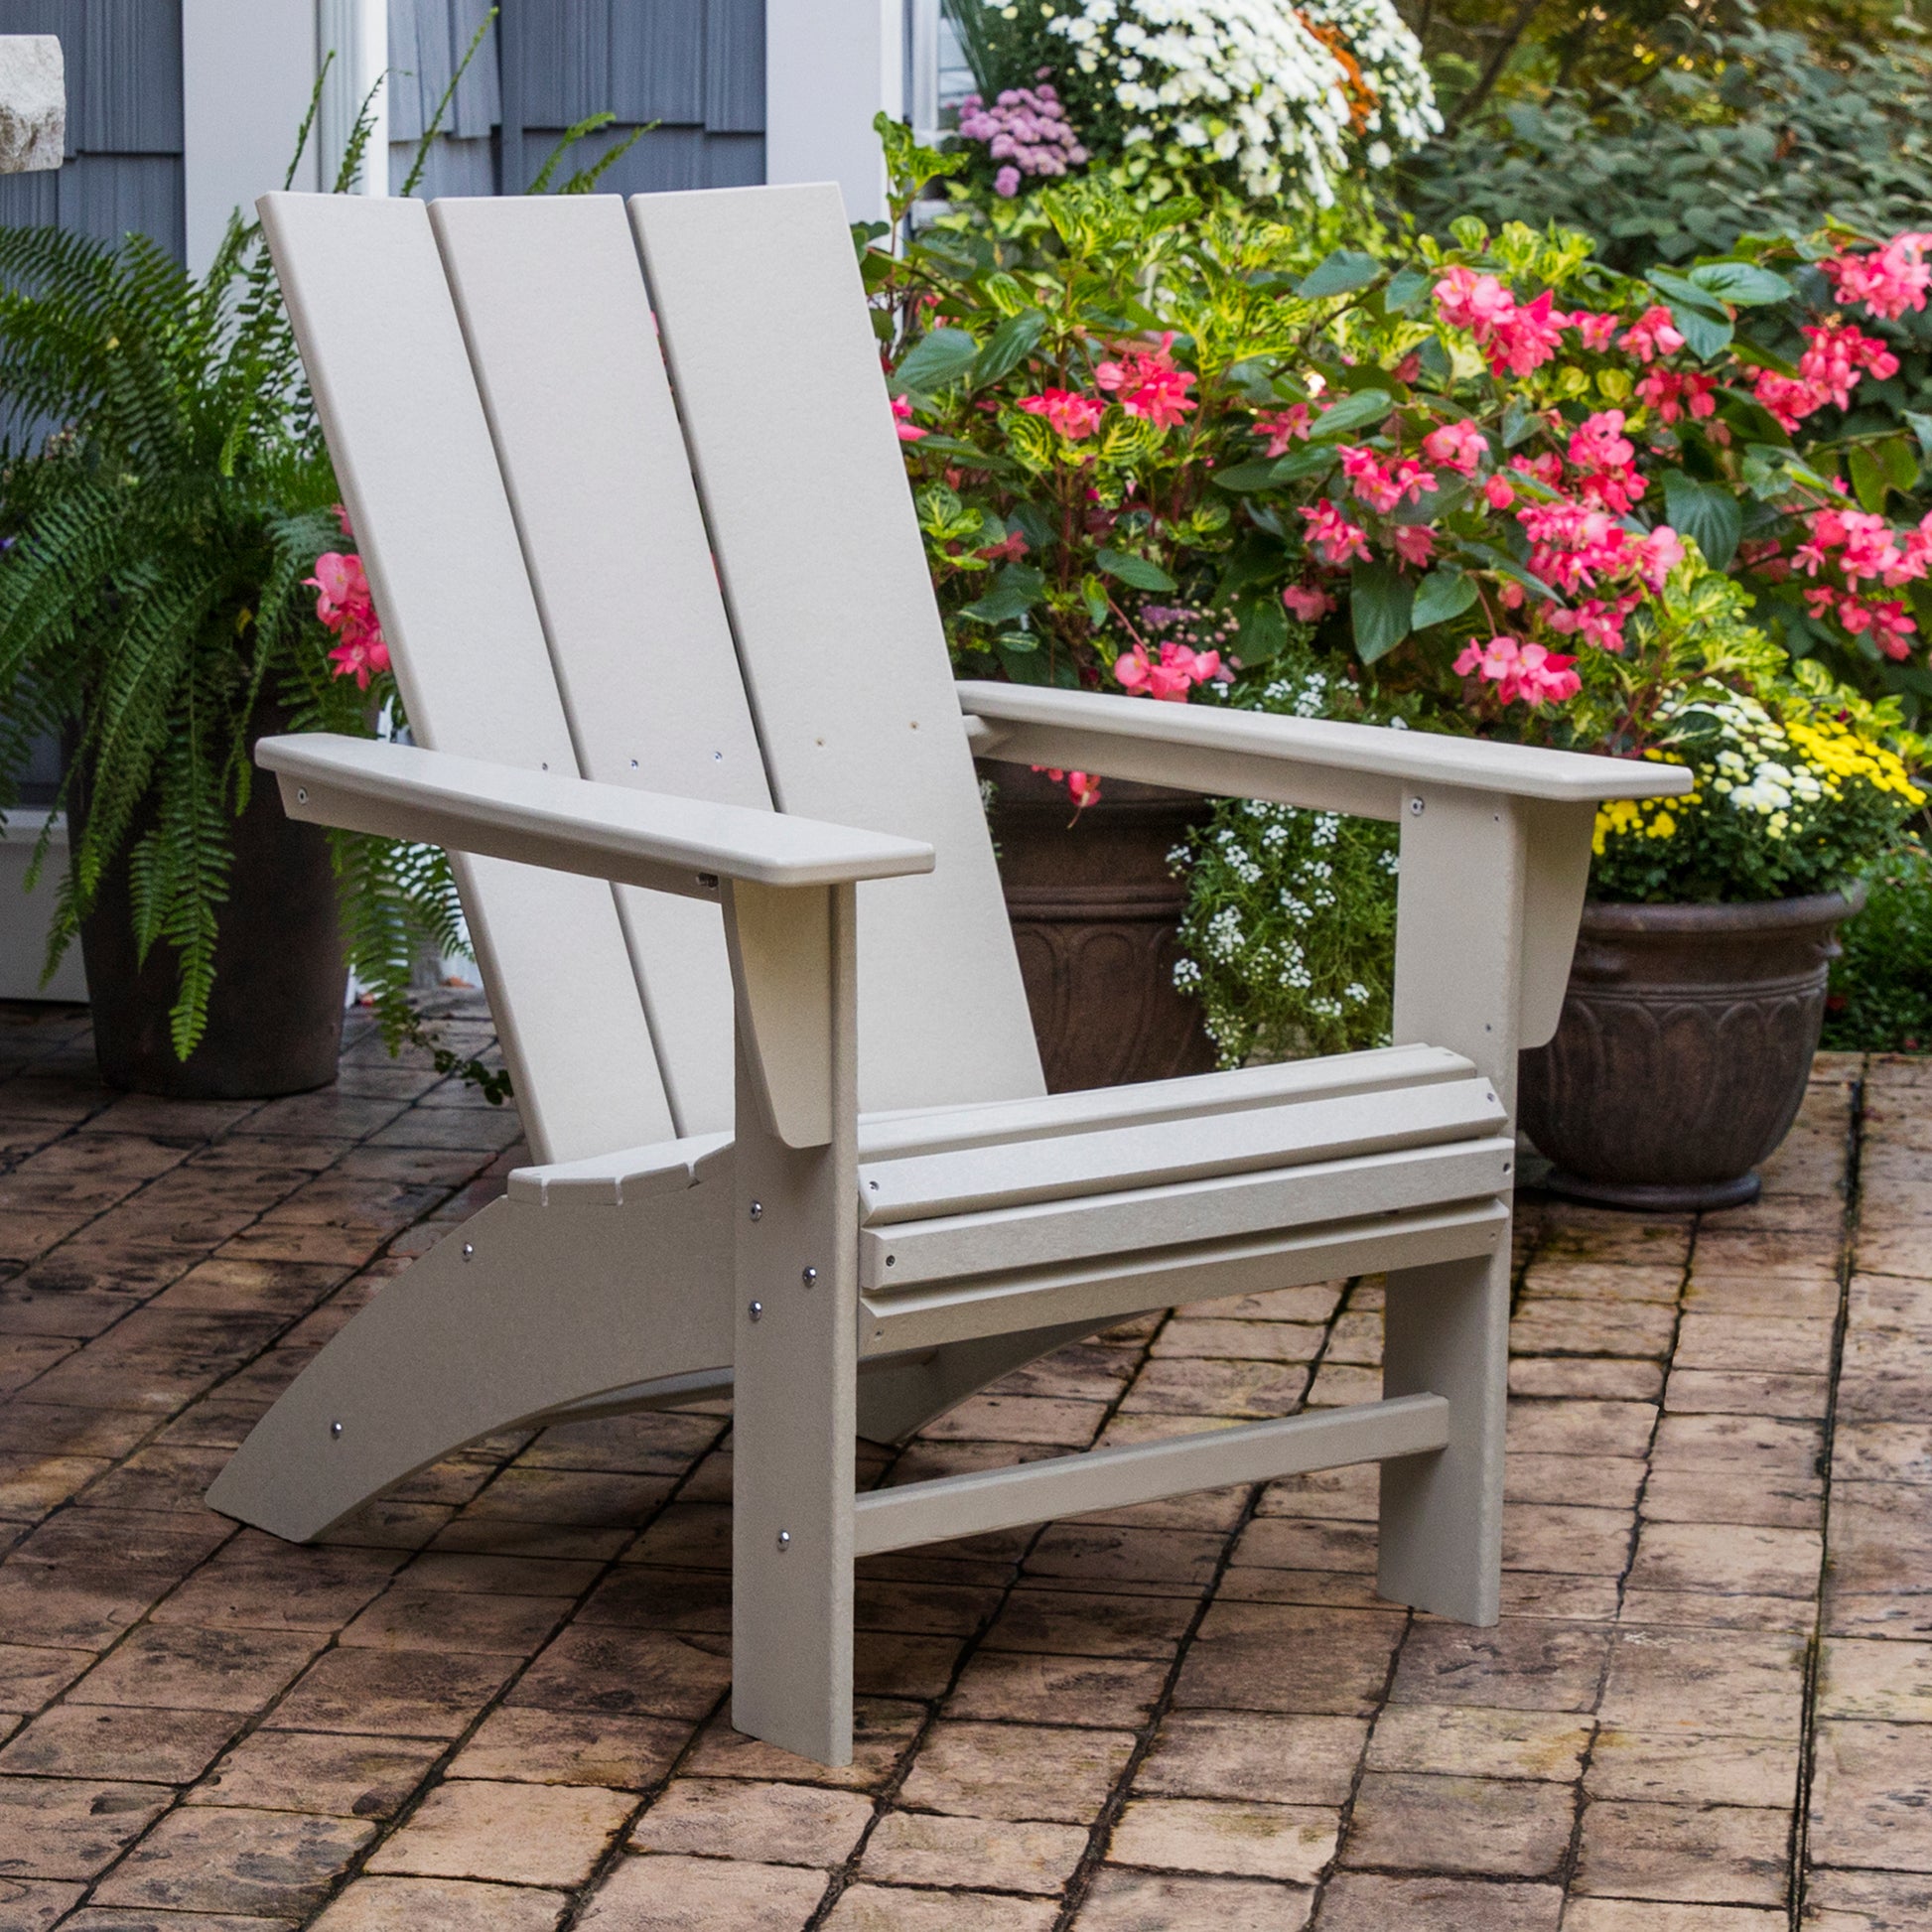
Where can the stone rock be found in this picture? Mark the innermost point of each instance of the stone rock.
(33, 103)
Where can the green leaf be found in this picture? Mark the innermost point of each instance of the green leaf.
(1263, 629)
(1365, 406)
(935, 362)
(1704, 336)
(1921, 427)
(1518, 421)
(1009, 345)
(1381, 601)
(1867, 478)
(1346, 270)
(1017, 589)
(1708, 512)
(1742, 283)
(1681, 289)
(1315, 460)
(1404, 292)
(1899, 461)
(1444, 594)
(1500, 560)
(1247, 475)
(1137, 570)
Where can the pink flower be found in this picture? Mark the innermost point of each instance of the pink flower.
(1838, 352)
(1334, 538)
(1531, 673)
(1466, 300)
(1457, 445)
(1284, 426)
(1658, 555)
(1596, 331)
(1652, 334)
(1516, 336)
(908, 431)
(1005, 184)
(1889, 280)
(1499, 494)
(1172, 675)
(1075, 415)
(1084, 786)
(1528, 339)
(1147, 382)
(1597, 621)
(1382, 489)
(1307, 602)
(1415, 543)
(1671, 392)
(343, 606)
(1606, 458)
(342, 518)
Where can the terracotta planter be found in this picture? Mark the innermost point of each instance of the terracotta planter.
(275, 1016)
(1095, 915)
(1686, 1040)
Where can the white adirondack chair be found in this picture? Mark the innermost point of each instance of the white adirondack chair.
(663, 781)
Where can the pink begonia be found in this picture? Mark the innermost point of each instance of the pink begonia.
(1307, 602)
(1658, 555)
(1597, 621)
(343, 606)
(1889, 280)
(1838, 352)
(1334, 538)
(1546, 467)
(908, 431)
(342, 518)
(1147, 383)
(1573, 545)
(1413, 543)
(1457, 445)
(1025, 128)
(1172, 675)
(1381, 488)
(1517, 337)
(1282, 426)
(1076, 416)
(1671, 392)
(1653, 334)
(1531, 673)
(1787, 398)
(1607, 460)
(1499, 494)
(1596, 331)
(1084, 786)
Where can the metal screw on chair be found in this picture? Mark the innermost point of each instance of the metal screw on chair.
(301, 794)
(784, 1539)
(755, 1310)
(468, 1251)
(335, 1429)
(757, 1210)
(809, 1277)
(1415, 808)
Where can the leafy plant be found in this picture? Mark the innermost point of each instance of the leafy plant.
(1749, 131)
(152, 597)
(1880, 997)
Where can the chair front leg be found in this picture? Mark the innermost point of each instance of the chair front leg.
(796, 1360)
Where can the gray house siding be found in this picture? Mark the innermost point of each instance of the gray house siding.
(695, 67)
(123, 167)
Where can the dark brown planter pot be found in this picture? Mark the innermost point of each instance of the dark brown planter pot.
(1095, 916)
(275, 1016)
(1686, 1040)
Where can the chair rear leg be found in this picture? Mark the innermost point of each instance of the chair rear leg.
(1442, 1514)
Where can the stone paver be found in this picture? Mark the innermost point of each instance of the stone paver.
(496, 1701)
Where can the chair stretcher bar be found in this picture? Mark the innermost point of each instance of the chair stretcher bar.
(1074, 1485)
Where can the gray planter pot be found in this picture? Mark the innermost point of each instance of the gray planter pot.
(1686, 1040)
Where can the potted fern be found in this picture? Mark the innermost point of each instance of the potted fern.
(154, 615)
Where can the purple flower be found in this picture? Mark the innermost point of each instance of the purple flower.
(1006, 184)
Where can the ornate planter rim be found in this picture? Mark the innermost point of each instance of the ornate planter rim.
(1750, 915)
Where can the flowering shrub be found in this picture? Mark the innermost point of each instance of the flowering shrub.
(1024, 133)
(1257, 97)
(1792, 796)
(1290, 933)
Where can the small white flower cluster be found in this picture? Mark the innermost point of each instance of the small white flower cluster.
(1252, 82)
(1757, 768)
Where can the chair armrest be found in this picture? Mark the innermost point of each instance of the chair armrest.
(567, 823)
(1358, 768)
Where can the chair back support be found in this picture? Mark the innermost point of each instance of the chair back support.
(503, 426)
(386, 358)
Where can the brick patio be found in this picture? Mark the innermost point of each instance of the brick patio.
(495, 1704)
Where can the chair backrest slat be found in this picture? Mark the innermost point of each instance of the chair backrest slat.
(386, 359)
(791, 439)
(552, 303)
